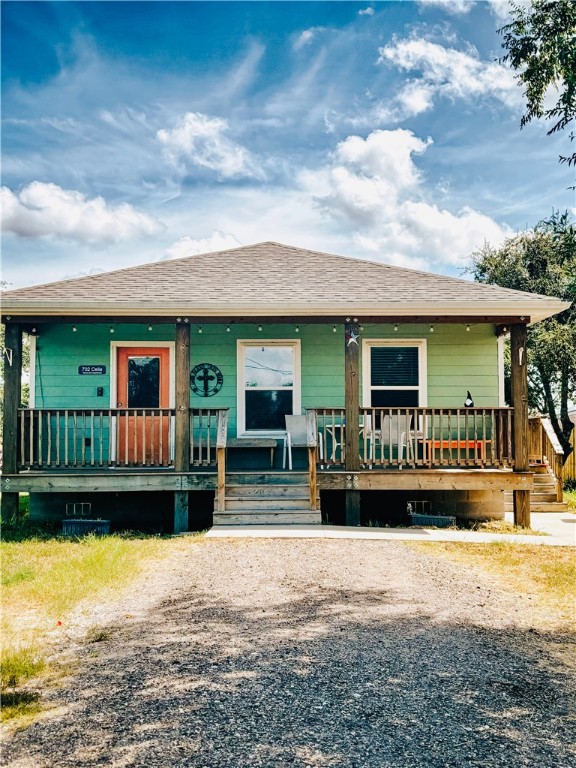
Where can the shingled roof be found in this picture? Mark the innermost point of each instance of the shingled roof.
(272, 279)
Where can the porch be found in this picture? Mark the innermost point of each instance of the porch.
(464, 453)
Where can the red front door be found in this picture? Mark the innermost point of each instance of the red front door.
(143, 395)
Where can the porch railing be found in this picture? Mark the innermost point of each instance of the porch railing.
(420, 437)
(112, 437)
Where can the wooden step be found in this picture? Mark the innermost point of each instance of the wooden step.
(304, 517)
(252, 504)
(268, 491)
(267, 498)
(267, 478)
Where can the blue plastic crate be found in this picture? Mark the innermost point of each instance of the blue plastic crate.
(83, 527)
(438, 521)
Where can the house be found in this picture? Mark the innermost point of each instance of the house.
(170, 382)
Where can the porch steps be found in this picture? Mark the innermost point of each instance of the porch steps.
(273, 498)
(543, 495)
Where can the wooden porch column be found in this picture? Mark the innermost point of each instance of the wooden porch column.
(518, 352)
(12, 395)
(352, 403)
(182, 422)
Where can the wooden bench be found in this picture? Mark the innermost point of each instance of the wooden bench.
(472, 447)
(254, 442)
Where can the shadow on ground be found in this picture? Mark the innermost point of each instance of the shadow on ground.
(334, 677)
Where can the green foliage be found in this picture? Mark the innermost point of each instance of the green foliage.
(543, 261)
(541, 46)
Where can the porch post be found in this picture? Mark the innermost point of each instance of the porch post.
(352, 404)
(182, 422)
(519, 370)
(12, 395)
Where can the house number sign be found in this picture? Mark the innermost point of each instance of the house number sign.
(206, 379)
(91, 370)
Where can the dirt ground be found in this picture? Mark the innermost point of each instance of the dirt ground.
(262, 652)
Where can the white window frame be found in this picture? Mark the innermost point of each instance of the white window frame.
(241, 346)
(501, 377)
(116, 345)
(32, 372)
(422, 387)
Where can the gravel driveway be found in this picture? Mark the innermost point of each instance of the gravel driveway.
(364, 654)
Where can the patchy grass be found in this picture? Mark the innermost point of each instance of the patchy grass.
(43, 580)
(503, 526)
(547, 573)
(570, 498)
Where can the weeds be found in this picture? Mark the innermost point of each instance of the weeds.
(44, 577)
(548, 573)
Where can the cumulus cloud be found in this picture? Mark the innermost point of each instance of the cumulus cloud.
(501, 8)
(445, 72)
(374, 186)
(201, 141)
(43, 210)
(189, 246)
(366, 12)
(455, 7)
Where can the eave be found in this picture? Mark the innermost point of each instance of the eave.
(478, 311)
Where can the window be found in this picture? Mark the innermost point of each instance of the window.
(268, 385)
(394, 373)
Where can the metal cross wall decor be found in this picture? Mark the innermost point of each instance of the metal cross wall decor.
(206, 379)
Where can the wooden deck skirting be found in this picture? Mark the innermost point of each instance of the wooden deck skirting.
(210, 480)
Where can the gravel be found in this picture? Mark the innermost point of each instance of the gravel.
(263, 652)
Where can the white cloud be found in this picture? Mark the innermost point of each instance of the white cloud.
(374, 186)
(366, 12)
(199, 140)
(305, 37)
(501, 8)
(47, 210)
(189, 246)
(456, 7)
(445, 72)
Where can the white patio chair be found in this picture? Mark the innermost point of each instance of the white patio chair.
(393, 434)
(297, 437)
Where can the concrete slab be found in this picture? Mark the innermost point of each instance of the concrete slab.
(561, 533)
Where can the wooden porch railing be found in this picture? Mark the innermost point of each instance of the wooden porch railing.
(112, 437)
(544, 447)
(421, 437)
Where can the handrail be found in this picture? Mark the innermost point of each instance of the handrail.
(553, 453)
(551, 435)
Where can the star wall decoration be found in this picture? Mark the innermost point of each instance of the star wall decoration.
(352, 338)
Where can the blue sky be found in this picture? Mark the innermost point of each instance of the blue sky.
(139, 131)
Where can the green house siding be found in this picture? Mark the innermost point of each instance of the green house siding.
(457, 361)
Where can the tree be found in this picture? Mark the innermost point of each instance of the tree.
(542, 260)
(541, 45)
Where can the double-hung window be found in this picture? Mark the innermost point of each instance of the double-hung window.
(268, 385)
(394, 373)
